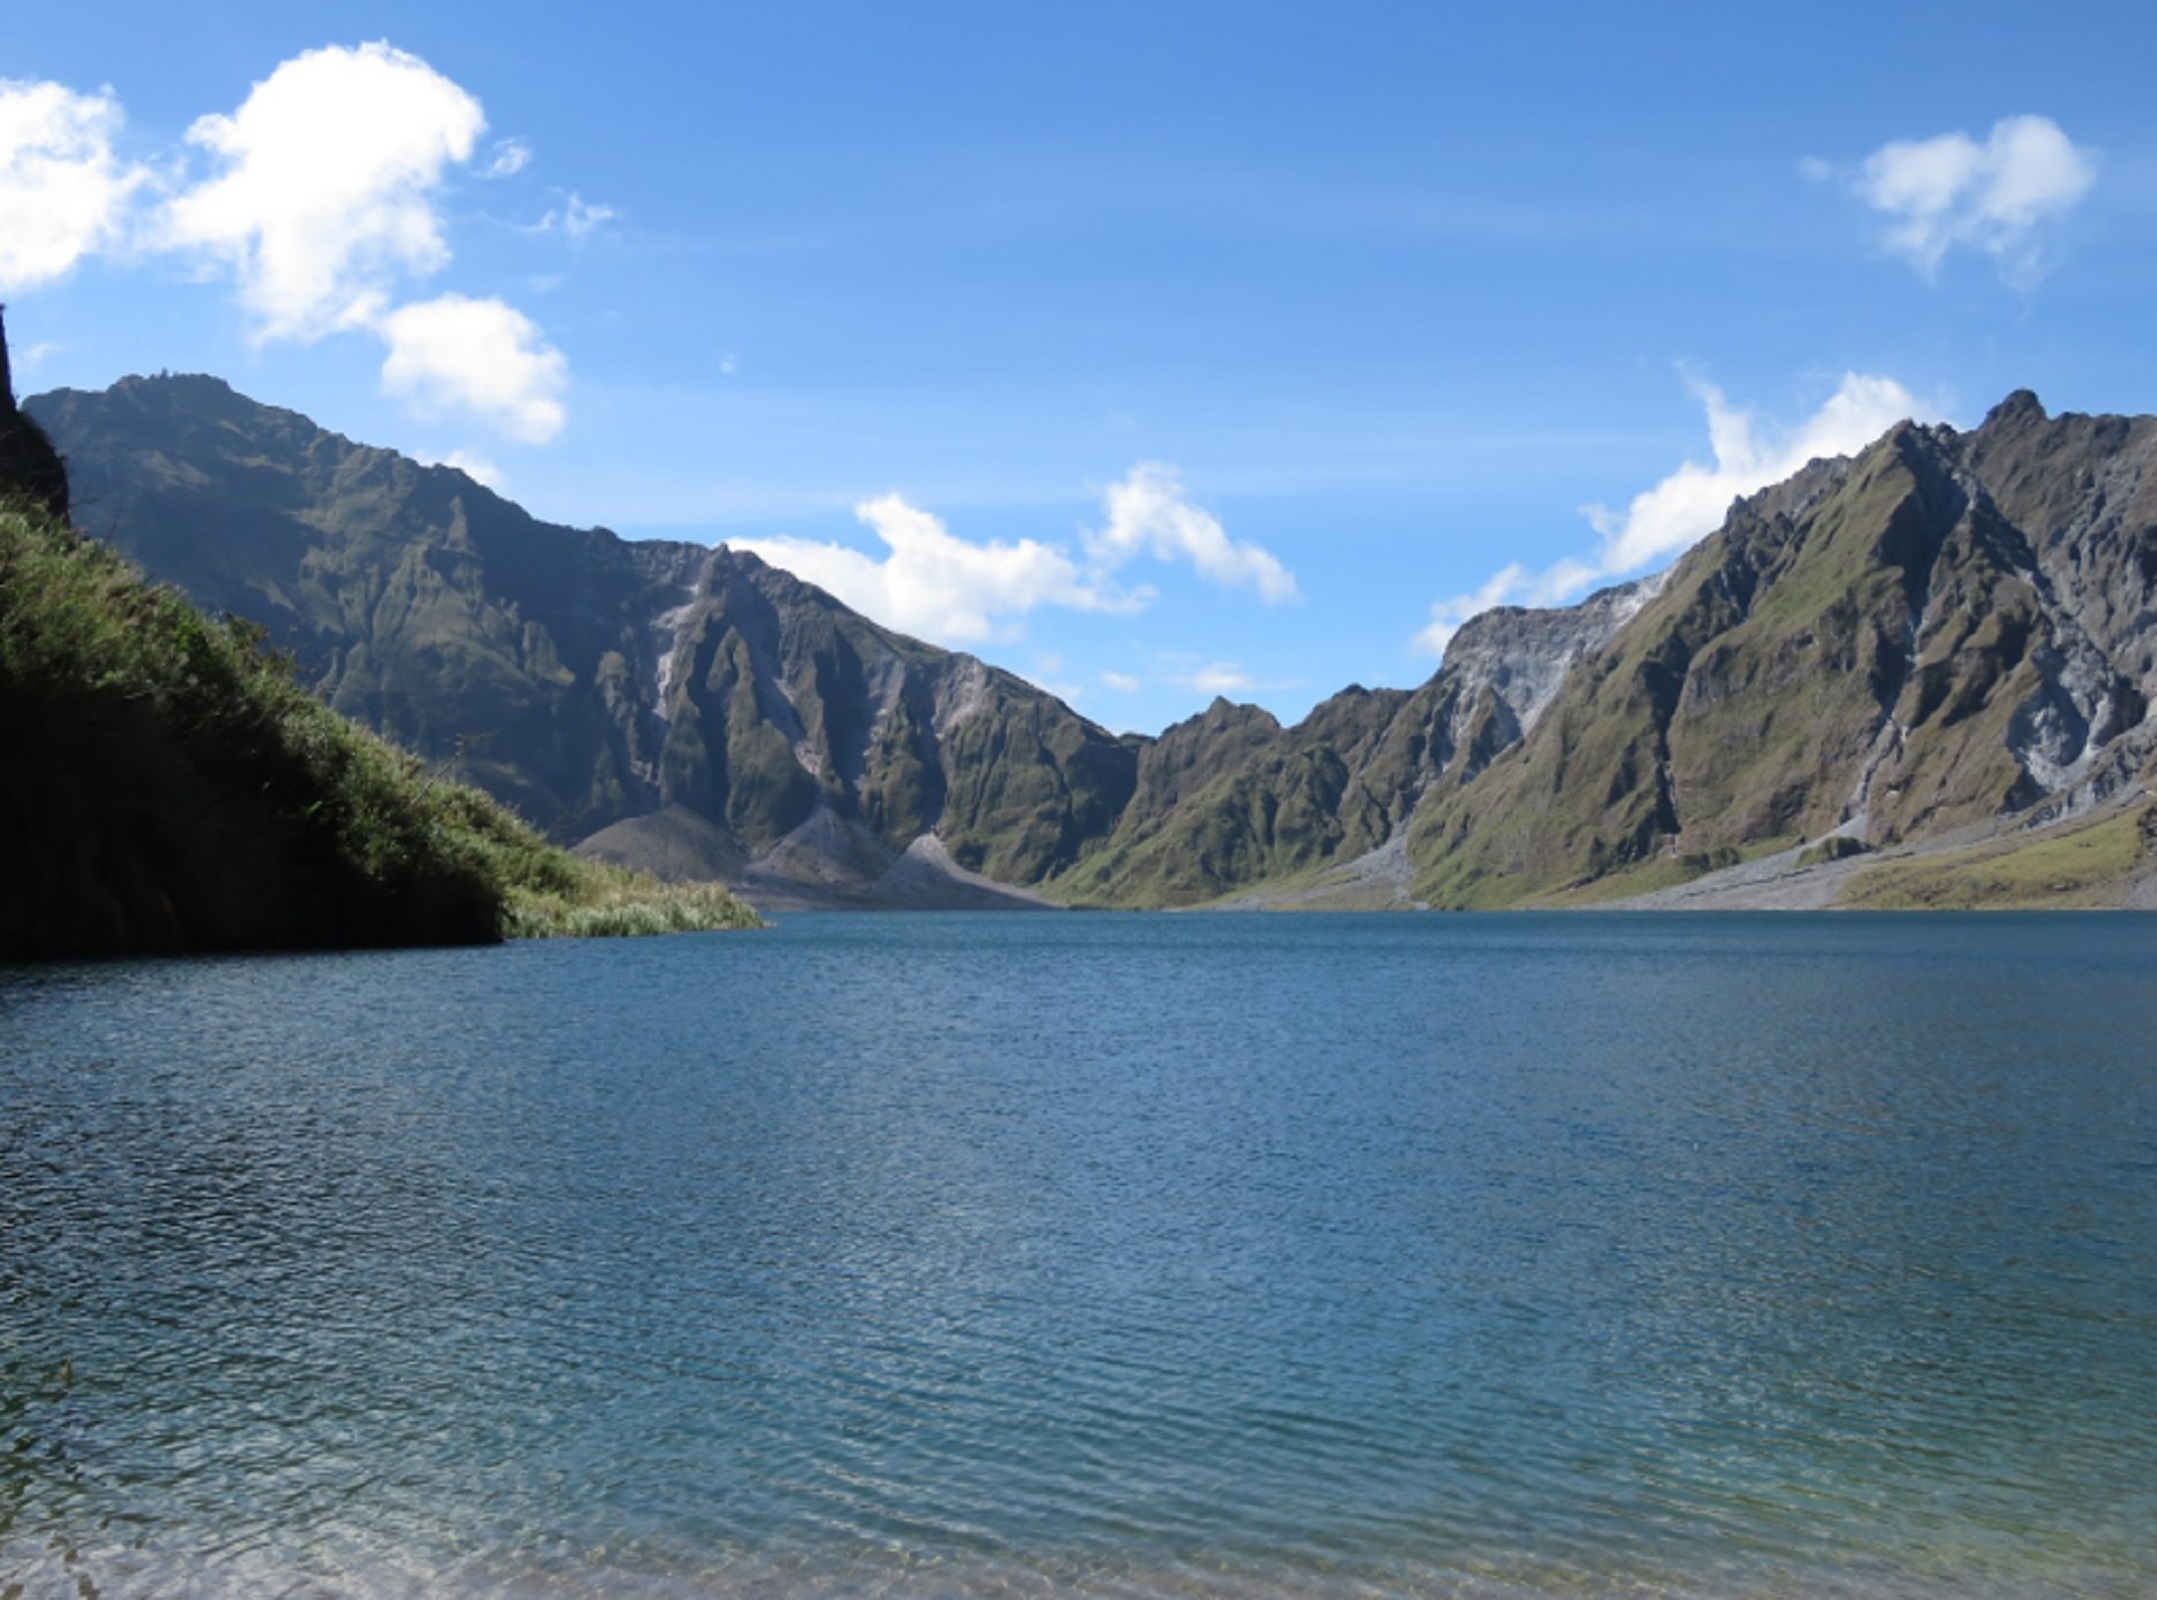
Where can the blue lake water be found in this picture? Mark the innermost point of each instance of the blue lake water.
(1093, 1255)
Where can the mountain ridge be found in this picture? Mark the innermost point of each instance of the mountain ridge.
(1945, 629)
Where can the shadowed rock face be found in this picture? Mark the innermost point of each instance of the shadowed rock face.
(1947, 628)
(583, 678)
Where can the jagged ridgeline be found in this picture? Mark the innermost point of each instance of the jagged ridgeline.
(1949, 632)
(1945, 631)
(167, 787)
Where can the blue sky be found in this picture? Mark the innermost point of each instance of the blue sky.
(1150, 351)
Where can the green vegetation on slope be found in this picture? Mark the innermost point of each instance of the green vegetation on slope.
(2071, 868)
(169, 788)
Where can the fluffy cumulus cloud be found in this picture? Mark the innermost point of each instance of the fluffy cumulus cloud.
(322, 196)
(935, 584)
(329, 190)
(1148, 513)
(1952, 192)
(63, 192)
(1750, 453)
(481, 356)
(931, 582)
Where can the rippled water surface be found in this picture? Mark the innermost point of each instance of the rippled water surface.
(1093, 1255)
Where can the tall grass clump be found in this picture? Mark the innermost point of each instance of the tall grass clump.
(166, 786)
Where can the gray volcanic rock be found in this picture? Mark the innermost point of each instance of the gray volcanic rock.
(1522, 656)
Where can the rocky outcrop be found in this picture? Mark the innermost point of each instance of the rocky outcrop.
(29, 466)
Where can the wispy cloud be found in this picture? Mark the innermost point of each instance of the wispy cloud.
(1749, 454)
(508, 158)
(64, 193)
(1951, 192)
(1506, 584)
(933, 583)
(1219, 677)
(1121, 682)
(1147, 511)
(576, 219)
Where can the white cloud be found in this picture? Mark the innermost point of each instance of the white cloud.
(329, 189)
(1121, 682)
(479, 355)
(1147, 512)
(941, 587)
(1749, 455)
(578, 219)
(1220, 677)
(476, 467)
(325, 201)
(62, 190)
(935, 584)
(508, 158)
(1951, 191)
(1660, 522)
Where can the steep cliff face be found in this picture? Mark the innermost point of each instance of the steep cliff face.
(786, 713)
(1874, 648)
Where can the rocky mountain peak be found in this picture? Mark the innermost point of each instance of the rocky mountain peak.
(2018, 410)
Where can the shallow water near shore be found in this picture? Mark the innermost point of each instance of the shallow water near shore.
(1093, 1255)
